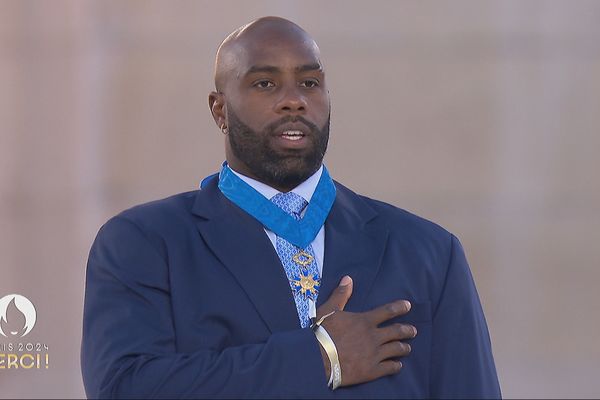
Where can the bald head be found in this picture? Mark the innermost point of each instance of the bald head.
(250, 39)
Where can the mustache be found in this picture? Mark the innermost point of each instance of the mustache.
(290, 118)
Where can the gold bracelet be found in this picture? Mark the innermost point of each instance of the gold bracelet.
(335, 378)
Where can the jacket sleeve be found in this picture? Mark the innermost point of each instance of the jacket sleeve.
(462, 365)
(129, 342)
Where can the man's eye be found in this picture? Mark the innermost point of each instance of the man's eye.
(264, 84)
(310, 83)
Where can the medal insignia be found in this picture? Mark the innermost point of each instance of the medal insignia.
(307, 286)
(302, 258)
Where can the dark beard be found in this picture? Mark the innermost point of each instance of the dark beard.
(269, 166)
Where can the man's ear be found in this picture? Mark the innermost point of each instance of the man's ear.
(216, 103)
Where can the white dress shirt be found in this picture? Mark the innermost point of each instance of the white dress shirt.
(306, 190)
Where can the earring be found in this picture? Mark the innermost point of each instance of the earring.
(224, 129)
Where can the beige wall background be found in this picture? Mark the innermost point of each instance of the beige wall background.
(482, 116)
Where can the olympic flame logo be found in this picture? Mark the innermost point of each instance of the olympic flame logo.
(17, 316)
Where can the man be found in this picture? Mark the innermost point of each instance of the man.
(272, 280)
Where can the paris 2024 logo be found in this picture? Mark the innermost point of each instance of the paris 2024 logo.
(17, 319)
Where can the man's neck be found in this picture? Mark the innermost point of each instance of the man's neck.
(245, 172)
(305, 189)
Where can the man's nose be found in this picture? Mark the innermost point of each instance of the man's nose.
(292, 102)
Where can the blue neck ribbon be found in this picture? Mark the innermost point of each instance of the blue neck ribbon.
(300, 233)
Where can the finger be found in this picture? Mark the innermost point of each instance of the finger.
(338, 298)
(396, 332)
(346, 285)
(388, 311)
(388, 367)
(393, 350)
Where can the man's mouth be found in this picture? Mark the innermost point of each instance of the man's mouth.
(292, 134)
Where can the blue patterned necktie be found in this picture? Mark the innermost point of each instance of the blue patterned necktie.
(299, 264)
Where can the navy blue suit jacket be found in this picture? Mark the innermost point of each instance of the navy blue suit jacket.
(186, 297)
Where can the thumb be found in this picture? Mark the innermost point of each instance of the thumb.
(340, 296)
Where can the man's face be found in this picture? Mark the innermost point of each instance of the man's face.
(277, 111)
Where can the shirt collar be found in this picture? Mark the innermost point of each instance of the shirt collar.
(306, 189)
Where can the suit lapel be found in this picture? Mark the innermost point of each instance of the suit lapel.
(355, 241)
(240, 243)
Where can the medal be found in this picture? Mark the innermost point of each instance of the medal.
(306, 285)
(297, 233)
